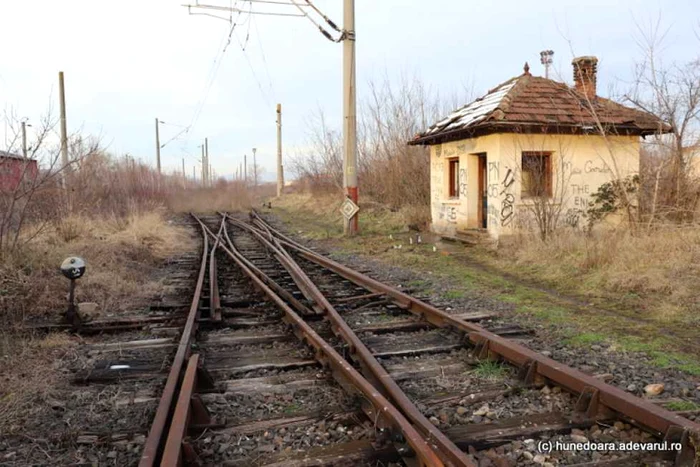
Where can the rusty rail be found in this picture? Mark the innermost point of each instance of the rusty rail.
(448, 451)
(595, 393)
(154, 441)
(381, 409)
(214, 298)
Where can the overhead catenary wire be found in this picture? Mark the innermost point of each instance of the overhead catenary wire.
(262, 52)
(273, 2)
(325, 33)
(234, 9)
(328, 20)
(214, 71)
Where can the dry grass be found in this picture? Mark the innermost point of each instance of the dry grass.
(226, 196)
(31, 372)
(659, 269)
(322, 214)
(121, 254)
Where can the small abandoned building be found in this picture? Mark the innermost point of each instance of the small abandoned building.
(530, 147)
(14, 169)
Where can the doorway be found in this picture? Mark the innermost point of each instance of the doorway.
(482, 190)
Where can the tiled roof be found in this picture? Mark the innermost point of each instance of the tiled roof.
(527, 103)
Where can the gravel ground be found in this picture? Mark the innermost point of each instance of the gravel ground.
(630, 371)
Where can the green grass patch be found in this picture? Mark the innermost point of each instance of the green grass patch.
(488, 369)
(292, 408)
(452, 294)
(682, 406)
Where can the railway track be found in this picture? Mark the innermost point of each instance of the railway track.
(289, 358)
(285, 357)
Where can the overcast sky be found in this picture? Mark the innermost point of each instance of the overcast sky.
(128, 61)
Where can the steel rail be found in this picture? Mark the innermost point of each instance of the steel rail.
(154, 441)
(382, 408)
(645, 414)
(448, 451)
(172, 453)
(214, 298)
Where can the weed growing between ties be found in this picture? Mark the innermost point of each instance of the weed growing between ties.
(490, 370)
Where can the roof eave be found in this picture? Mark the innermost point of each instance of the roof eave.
(510, 127)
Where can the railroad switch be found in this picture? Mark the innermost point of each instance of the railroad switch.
(73, 268)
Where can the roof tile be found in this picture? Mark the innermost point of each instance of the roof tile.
(528, 100)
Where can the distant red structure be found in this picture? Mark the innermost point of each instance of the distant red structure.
(14, 169)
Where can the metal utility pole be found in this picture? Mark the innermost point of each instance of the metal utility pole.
(349, 113)
(204, 164)
(184, 175)
(207, 166)
(280, 168)
(157, 146)
(245, 169)
(64, 132)
(194, 174)
(255, 170)
(24, 139)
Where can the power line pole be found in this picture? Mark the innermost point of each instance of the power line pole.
(245, 170)
(24, 139)
(64, 132)
(349, 112)
(207, 167)
(204, 164)
(194, 174)
(255, 170)
(184, 175)
(157, 146)
(280, 168)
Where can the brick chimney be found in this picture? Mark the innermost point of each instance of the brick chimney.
(585, 71)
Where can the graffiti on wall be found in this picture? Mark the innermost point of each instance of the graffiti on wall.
(448, 214)
(463, 182)
(573, 216)
(508, 201)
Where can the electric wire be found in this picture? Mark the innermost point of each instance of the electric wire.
(262, 52)
(328, 20)
(234, 9)
(325, 33)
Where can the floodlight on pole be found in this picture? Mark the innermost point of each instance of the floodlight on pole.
(546, 60)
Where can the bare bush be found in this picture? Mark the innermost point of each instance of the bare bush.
(388, 169)
(672, 93)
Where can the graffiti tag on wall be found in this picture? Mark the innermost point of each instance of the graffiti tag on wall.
(463, 182)
(507, 204)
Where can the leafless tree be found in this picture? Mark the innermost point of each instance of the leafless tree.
(672, 93)
(390, 115)
(545, 185)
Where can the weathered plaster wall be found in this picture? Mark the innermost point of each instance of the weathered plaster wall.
(580, 164)
(450, 215)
